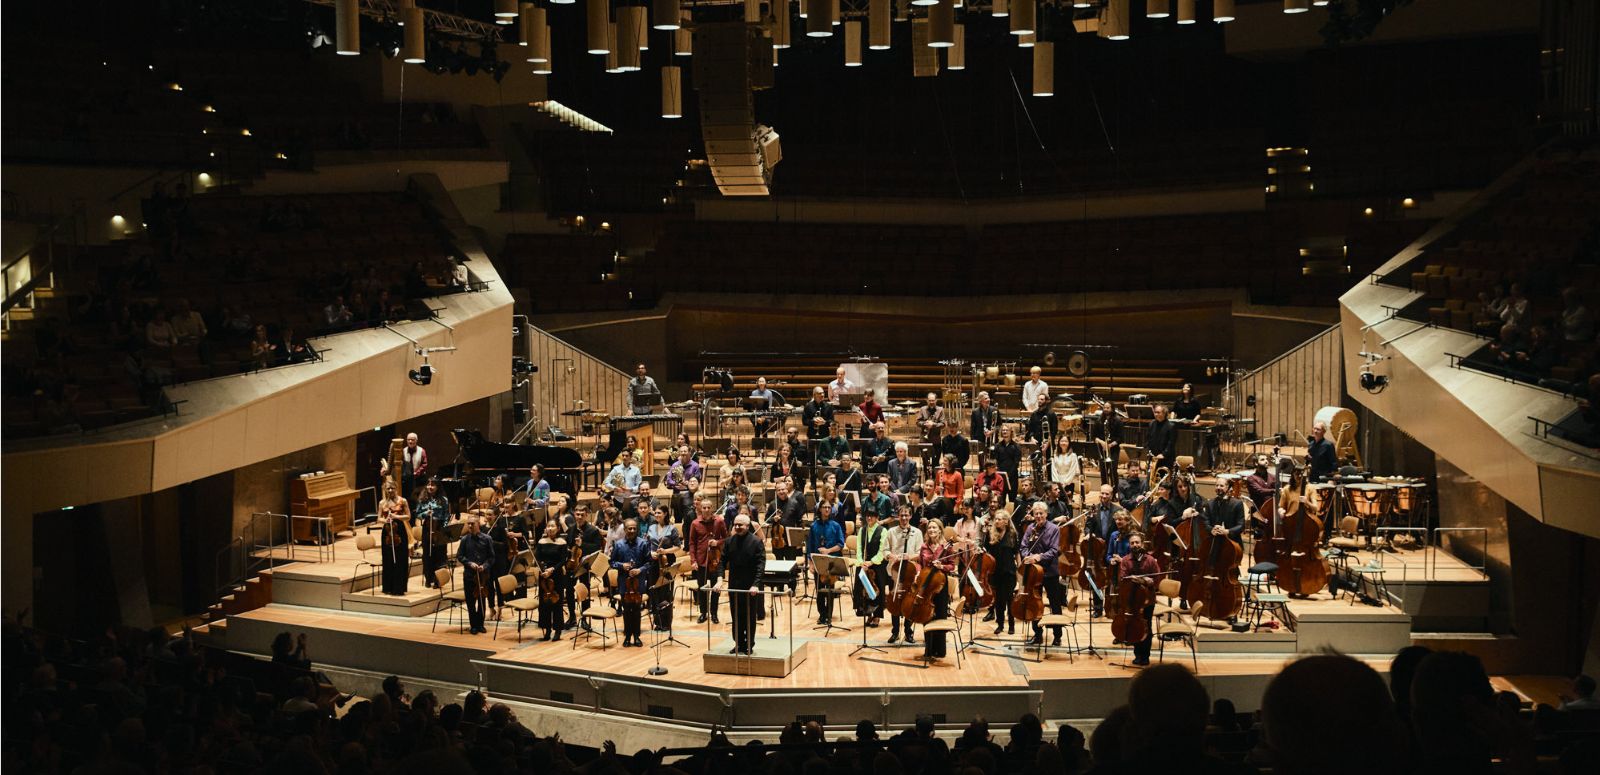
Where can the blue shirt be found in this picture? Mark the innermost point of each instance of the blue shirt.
(824, 535)
(637, 552)
(1117, 547)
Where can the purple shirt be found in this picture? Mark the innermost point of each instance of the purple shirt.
(679, 475)
(1044, 541)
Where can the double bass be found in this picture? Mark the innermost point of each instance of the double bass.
(1300, 568)
(1215, 581)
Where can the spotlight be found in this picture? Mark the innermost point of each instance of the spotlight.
(316, 37)
(422, 375)
(1372, 383)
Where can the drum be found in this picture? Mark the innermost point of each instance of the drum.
(1406, 497)
(1368, 501)
(1070, 422)
(1322, 494)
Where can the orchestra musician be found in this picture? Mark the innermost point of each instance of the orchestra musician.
(1159, 509)
(630, 557)
(551, 555)
(1260, 483)
(905, 545)
(877, 501)
(826, 537)
(817, 416)
(395, 516)
(788, 509)
(871, 546)
(784, 465)
(643, 394)
(666, 542)
(1225, 513)
(762, 425)
(624, 479)
(588, 537)
(433, 515)
(985, 421)
(1140, 565)
(968, 531)
(1132, 486)
(902, 471)
(1065, 464)
(1040, 546)
(1321, 457)
(537, 489)
(1117, 547)
(1105, 515)
(1001, 543)
(707, 531)
(1022, 504)
(1187, 407)
(841, 386)
(1007, 455)
(735, 497)
(413, 467)
(995, 481)
(510, 533)
(930, 419)
(732, 463)
(685, 469)
(949, 482)
(1059, 505)
(476, 554)
(1161, 439)
(744, 559)
(956, 445)
(848, 480)
(1042, 423)
(1034, 390)
(833, 448)
(871, 414)
(916, 504)
(799, 449)
(937, 553)
(880, 449)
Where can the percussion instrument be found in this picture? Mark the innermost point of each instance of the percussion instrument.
(1368, 501)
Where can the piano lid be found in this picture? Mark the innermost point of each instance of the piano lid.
(481, 454)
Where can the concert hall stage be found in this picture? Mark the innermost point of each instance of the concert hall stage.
(996, 676)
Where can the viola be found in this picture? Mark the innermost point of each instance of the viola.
(633, 589)
(1300, 568)
(549, 589)
(1028, 605)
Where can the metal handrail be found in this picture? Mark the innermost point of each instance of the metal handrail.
(1483, 548)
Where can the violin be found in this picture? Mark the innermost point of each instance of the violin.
(549, 589)
(1028, 605)
(633, 589)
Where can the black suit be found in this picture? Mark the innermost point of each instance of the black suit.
(958, 447)
(1162, 439)
(812, 410)
(744, 558)
(984, 420)
(1227, 512)
(1324, 461)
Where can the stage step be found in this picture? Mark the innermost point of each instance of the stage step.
(418, 601)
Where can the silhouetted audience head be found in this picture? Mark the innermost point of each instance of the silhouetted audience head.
(1317, 707)
(1402, 669)
(1111, 741)
(1452, 713)
(1169, 712)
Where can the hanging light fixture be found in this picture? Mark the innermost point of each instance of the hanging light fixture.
(1082, 4)
(1157, 9)
(1000, 9)
(597, 21)
(1296, 6)
(414, 48)
(527, 27)
(683, 37)
(415, 51)
(504, 9)
(347, 27)
(924, 60)
(664, 14)
(630, 24)
(1044, 69)
(1114, 20)
(942, 24)
(956, 57)
(539, 46)
(782, 31)
(834, 13)
(852, 44)
(878, 14)
(644, 28)
(818, 23)
(613, 57)
(752, 11)
(1022, 17)
(1026, 41)
(1222, 11)
(672, 92)
(563, 2)
(1186, 11)
(924, 2)
(400, 9)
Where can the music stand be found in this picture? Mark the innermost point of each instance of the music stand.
(664, 579)
(872, 593)
(837, 568)
(797, 539)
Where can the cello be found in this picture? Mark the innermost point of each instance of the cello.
(904, 577)
(1068, 559)
(919, 605)
(975, 577)
(1128, 624)
(1300, 568)
(1028, 605)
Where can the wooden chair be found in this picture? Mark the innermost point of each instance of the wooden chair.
(522, 605)
(447, 594)
(1181, 629)
(951, 625)
(364, 544)
(600, 611)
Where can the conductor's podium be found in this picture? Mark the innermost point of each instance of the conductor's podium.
(317, 496)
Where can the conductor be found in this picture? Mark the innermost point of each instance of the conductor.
(744, 558)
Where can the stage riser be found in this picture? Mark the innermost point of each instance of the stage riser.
(1384, 635)
(387, 605)
(1439, 606)
(635, 698)
(355, 649)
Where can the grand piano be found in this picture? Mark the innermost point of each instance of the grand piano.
(481, 460)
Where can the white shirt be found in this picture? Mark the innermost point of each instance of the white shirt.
(1064, 469)
(1031, 391)
(839, 387)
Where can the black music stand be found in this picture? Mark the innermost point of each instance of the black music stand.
(1093, 589)
(797, 539)
(837, 568)
(876, 593)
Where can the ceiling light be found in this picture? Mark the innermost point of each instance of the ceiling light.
(347, 27)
